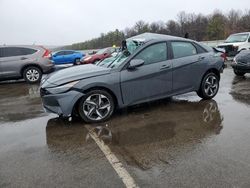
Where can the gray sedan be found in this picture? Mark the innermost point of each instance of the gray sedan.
(150, 67)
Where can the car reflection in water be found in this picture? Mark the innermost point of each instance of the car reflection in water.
(241, 89)
(19, 101)
(145, 136)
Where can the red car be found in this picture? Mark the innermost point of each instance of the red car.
(100, 55)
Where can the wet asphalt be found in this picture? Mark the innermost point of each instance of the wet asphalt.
(176, 142)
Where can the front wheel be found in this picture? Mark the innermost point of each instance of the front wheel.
(209, 86)
(238, 73)
(96, 106)
(32, 74)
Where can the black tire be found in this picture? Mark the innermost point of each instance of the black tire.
(239, 73)
(208, 91)
(32, 74)
(96, 114)
(77, 61)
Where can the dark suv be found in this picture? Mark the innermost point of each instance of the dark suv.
(28, 62)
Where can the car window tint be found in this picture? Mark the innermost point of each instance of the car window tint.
(60, 53)
(154, 53)
(183, 49)
(68, 52)
(16, 51)
(27, 51)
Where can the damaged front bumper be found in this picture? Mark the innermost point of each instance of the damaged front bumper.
(62, 103)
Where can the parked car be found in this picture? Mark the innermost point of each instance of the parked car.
(100, 55)
(241, 63)
(161, 66)
(67, 57)
(236, 43)
(28, 62)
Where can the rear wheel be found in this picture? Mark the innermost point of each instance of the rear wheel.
(32, 74)
(96, 106)
(209, 86)
(238, 73)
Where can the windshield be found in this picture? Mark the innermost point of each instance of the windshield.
(132, 45)
(102, 51)
(106, 62)
(237, 38)
(116, 61)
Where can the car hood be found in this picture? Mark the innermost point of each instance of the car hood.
(73, 74)
(231, 44)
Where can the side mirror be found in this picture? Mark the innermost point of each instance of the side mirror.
(249, 39)
(134, 63)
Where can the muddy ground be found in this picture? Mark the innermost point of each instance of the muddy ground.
(177, 142)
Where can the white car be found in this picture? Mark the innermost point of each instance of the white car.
(236, 43)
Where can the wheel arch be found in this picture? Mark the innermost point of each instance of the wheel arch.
(213, 70)
(96, 88)
(30, 65)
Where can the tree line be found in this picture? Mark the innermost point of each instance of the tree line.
(215, 26)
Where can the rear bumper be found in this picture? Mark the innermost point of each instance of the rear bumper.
(61, 104)
(230, 50)
(241, 68)
(47, 65)
(86, 62)
(48, 68)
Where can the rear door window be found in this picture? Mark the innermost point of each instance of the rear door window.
(60, 53)
(16, 51)
(183, 49)
(68, 52)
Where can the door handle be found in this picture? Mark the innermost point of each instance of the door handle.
(201, 58)
(23, 58)
(163, 67)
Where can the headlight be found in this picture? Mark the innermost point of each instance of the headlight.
(62, 88)
(87, 58)
(44, 78)
(234, 60)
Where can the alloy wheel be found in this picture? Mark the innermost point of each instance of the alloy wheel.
(32, 75)
(96, 107)
(211, 85)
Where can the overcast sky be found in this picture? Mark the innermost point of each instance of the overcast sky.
(60, 22)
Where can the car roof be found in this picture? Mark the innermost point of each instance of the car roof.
(145, 37)
(23, 46)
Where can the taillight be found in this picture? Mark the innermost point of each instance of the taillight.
(224, 56)
(47, 53)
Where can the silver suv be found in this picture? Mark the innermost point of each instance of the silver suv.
(27, 62)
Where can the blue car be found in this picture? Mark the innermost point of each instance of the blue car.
(67, 57)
